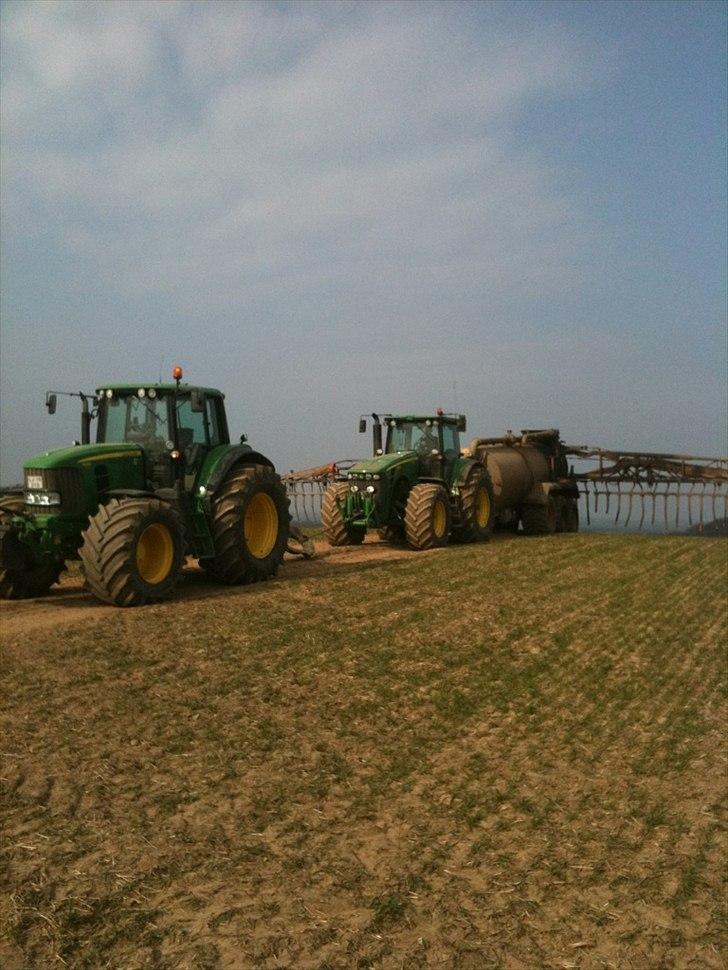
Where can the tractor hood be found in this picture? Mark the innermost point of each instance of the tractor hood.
(382, 464)
(83, 455)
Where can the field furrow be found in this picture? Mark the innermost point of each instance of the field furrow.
(506, 756)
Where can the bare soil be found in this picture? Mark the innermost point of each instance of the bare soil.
(69, 603)
(500, 756)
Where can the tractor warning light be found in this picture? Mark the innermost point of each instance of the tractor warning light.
(177, 373)
(440, 412)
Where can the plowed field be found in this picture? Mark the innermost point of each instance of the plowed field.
(510, 755)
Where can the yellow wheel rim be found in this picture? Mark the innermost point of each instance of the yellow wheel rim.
(155, 553)
(439, 519)
(261, 525)
(482, 508)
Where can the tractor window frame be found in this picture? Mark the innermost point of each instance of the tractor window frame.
(449, 454)
(195, 421)
(216, 421)
(222, 423)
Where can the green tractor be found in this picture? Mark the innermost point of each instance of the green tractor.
(161, 482)
(417, 488)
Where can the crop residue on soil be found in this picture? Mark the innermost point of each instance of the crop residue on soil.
(508, 755)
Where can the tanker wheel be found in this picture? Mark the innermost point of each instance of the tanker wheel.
(249, 526)
(477, 506)
(540, 519)
(22, 573)
(132, 551)
(571, 515)
(337, 531)
(427, 516)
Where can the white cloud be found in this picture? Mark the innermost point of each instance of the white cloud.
(241, 143)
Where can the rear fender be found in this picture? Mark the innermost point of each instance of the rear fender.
(220, 460)
(461, 471)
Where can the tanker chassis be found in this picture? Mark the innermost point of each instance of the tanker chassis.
(421, 487)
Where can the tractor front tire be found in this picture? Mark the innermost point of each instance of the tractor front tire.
(477, 505)
(132, 552)
(427, 516)
(337, 531)
(250, 522)
(541, 519)
(22, 573)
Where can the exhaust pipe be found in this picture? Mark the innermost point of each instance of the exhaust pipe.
(377, 433)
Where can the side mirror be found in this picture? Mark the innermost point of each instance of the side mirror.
(461, 422)
(197, 401)
(51, 401)
(362, 425)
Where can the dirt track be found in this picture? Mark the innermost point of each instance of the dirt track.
(69, 603)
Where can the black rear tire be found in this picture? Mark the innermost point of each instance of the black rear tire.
(337, 531)
(540, 519)
(22, 573)
(250, 521)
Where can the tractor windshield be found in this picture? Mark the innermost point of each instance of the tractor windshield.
(139, 420)
(420, 436)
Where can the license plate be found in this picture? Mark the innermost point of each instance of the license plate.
(34, 481)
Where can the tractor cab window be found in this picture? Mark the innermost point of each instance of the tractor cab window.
(190, 424)
(450, 442)
(420, 436)
(139, 420)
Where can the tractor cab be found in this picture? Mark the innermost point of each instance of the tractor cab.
(434, 440)
(168, 422)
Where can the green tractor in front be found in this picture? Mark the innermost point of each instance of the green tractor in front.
(161, 482)
(416, 488)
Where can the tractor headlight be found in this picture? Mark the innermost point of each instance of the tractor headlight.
(370, 489)
(42, 498)
(354, 488)
(109, 393)
(141, 392)
(151, 393)
(376, 477)
(368, 476)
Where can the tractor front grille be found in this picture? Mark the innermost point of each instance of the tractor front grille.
(68, 482)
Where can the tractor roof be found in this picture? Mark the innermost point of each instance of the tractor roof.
(160, 388)
(445, 418)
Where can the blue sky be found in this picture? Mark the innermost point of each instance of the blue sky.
(515, 210)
